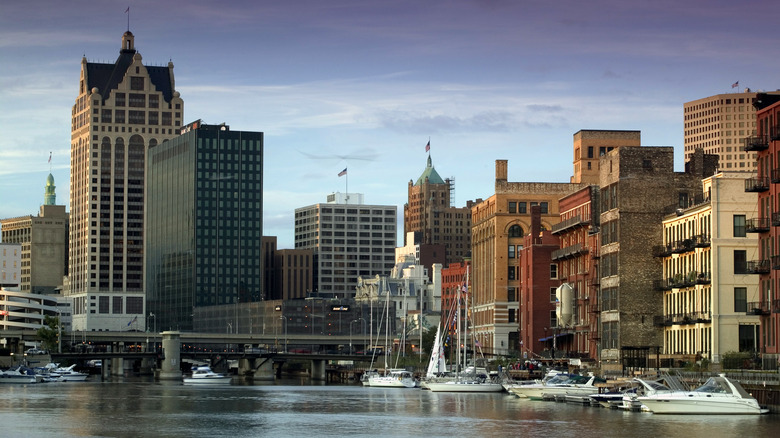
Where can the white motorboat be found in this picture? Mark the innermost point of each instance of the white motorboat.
(19, 375)
(560, 384)
(393, 379)
(718, 395)
(203, 375)
(55, 373)
(465, 384)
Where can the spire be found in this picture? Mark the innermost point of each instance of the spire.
(49, 196)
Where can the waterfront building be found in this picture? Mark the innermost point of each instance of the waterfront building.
(577, 261)
(44, 244)
(204, 225)
(453, 278)
(766, 145)
(122, 110)
(591, 144)
(718, 124)
(349, 239)
(431, 219)
(637, 185)
(707, 283)
(500, 224)
(10, 264)
(24, 310)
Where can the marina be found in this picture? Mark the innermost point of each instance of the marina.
(295, 407)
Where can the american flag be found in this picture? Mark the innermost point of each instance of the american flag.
(343, 172)
(428, 146)
(735, 84)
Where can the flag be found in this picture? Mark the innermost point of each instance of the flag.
(343, 172)
(428, 146)
(132, 321)
(735, 84)
(127, 10)
(465, 289)
(49, 157)
(476, 342)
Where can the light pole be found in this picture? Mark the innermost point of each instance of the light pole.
(285, 331)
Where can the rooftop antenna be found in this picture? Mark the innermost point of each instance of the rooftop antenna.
(127, 11)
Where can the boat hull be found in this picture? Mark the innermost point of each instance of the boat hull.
(464, 387)
(222, 380)
(691, 405)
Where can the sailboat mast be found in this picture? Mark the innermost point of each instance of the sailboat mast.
(466, 319)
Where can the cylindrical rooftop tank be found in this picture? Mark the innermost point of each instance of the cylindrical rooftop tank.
(564, 305)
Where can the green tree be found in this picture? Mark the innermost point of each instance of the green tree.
(49, 333)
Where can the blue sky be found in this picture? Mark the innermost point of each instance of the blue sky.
(365, 84)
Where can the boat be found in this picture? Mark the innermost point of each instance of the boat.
(394, 378)
(19, 375)
(55, 373)
(466, 381)
(560, 384)
(718, 395)
(203, 375)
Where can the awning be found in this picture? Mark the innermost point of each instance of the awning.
(557, 336)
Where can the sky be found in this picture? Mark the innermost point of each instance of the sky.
(364, 85)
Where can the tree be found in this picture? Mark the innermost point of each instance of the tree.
(49, 333)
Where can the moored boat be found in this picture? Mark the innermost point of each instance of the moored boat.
(718, 395)
(203, 375)
(393, 379)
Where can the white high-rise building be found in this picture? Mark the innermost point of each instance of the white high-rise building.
(349, 239)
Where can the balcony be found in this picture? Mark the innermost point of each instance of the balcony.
(703, 278)
(569, 251)
(775, 260)
(757, 143)
(663, 285)
(775, 176)
(758, 267)
(758, 308)
(570, 223)
(757, 225)
(702, 240)
(774, 133)
(681, 246)
(757, 184)
(689, 318)
(661, 251)
(662, 321)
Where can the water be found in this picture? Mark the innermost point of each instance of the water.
(138, 407)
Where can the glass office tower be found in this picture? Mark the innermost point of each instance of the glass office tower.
(204, 223)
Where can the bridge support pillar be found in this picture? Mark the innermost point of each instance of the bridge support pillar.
(118, 364)
(264, 369)
(170, 368)
(318, 369)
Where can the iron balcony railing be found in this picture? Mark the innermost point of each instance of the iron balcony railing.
(758, 267)
(569, 223)
(758, 308)
(757, 225)
(756, 143)
(757, 184)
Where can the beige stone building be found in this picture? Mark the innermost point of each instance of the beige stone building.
(44, 244)
(499, 226)
(707, 286)
(121, 110)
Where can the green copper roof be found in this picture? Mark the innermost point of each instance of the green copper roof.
(430, 173)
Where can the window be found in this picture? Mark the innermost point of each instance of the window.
(119, 99)
(543, 207)
(513, 207)
(515, 231)
(511, 315)
(740, 261)
(747, 338)
(553, 271)
(521, 207)
(511, 251)
(553, 294)
(739, 225)
(136, 83)
(137, 100)
(590, 153)
(511, 294)
(103, 304)
(511, 270)
(740, 299)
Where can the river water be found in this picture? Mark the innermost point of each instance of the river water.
(141, 407)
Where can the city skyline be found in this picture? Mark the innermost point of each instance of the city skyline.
(366, 86)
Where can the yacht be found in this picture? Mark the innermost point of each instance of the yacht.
(203, 375)
(718, 395)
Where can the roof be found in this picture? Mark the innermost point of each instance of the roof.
(106, 77)
(429, 173)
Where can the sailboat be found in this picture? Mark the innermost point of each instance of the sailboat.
(393, 378)
(463, 382)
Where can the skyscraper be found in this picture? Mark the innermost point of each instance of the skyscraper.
(719, 124)
(121, 110)
(204, 226)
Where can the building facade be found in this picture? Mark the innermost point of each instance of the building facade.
(500, 224)
(349, 239)
(637, 185)
(591, 144)
(44, 241)
(766, 145)
(204, 223)
(718, 125)
(10, 265)
(430, 218)
(705, 307)
(122, 109)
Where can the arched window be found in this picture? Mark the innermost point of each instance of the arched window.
(515, 231)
